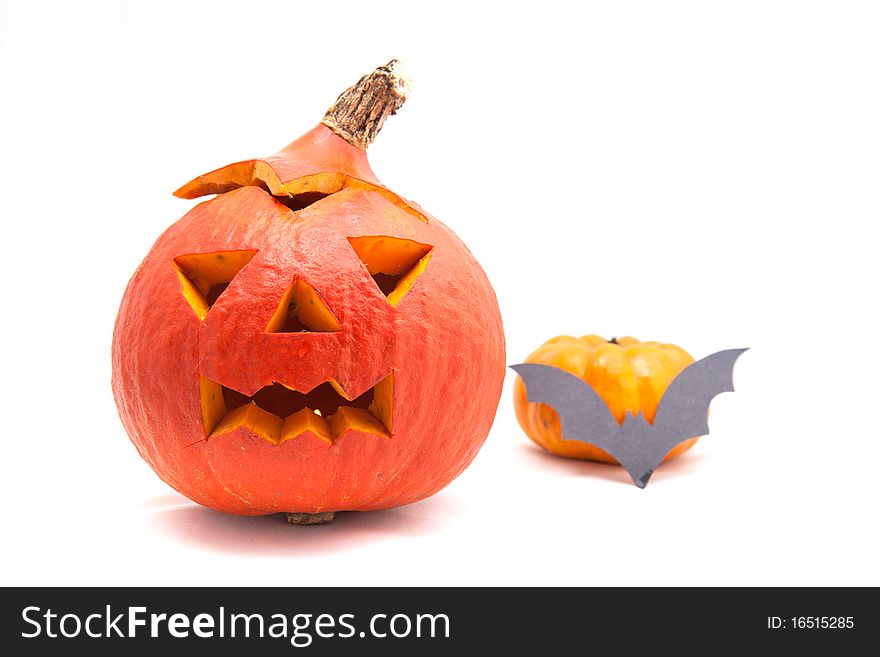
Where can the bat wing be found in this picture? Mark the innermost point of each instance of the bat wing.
(582, 412)
(683, 411)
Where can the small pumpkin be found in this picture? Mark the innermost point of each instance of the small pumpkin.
(308, 341)
(627, 374)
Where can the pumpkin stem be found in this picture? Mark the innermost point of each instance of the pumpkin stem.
(311, 518)
(613, 341)
(360, 111)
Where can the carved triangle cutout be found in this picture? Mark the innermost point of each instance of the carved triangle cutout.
(302, 310)
(205, 276)
(394, 263)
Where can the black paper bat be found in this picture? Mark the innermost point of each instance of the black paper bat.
(636, 444)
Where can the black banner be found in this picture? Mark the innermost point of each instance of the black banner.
(431, 621)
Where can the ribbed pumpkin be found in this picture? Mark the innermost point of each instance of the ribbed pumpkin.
(627, 374)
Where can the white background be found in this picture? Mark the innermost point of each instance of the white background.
(692, 172)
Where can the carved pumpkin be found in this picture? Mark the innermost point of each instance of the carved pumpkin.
(627, 374)
(308, 341)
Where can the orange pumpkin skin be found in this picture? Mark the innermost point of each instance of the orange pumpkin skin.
(627, 374)
(442, 344)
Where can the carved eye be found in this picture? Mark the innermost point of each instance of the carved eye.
(394, 263)
(205, 276)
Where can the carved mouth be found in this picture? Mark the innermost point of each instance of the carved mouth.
(278, 413)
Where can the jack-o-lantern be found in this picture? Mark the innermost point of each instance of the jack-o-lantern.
(307, 341)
